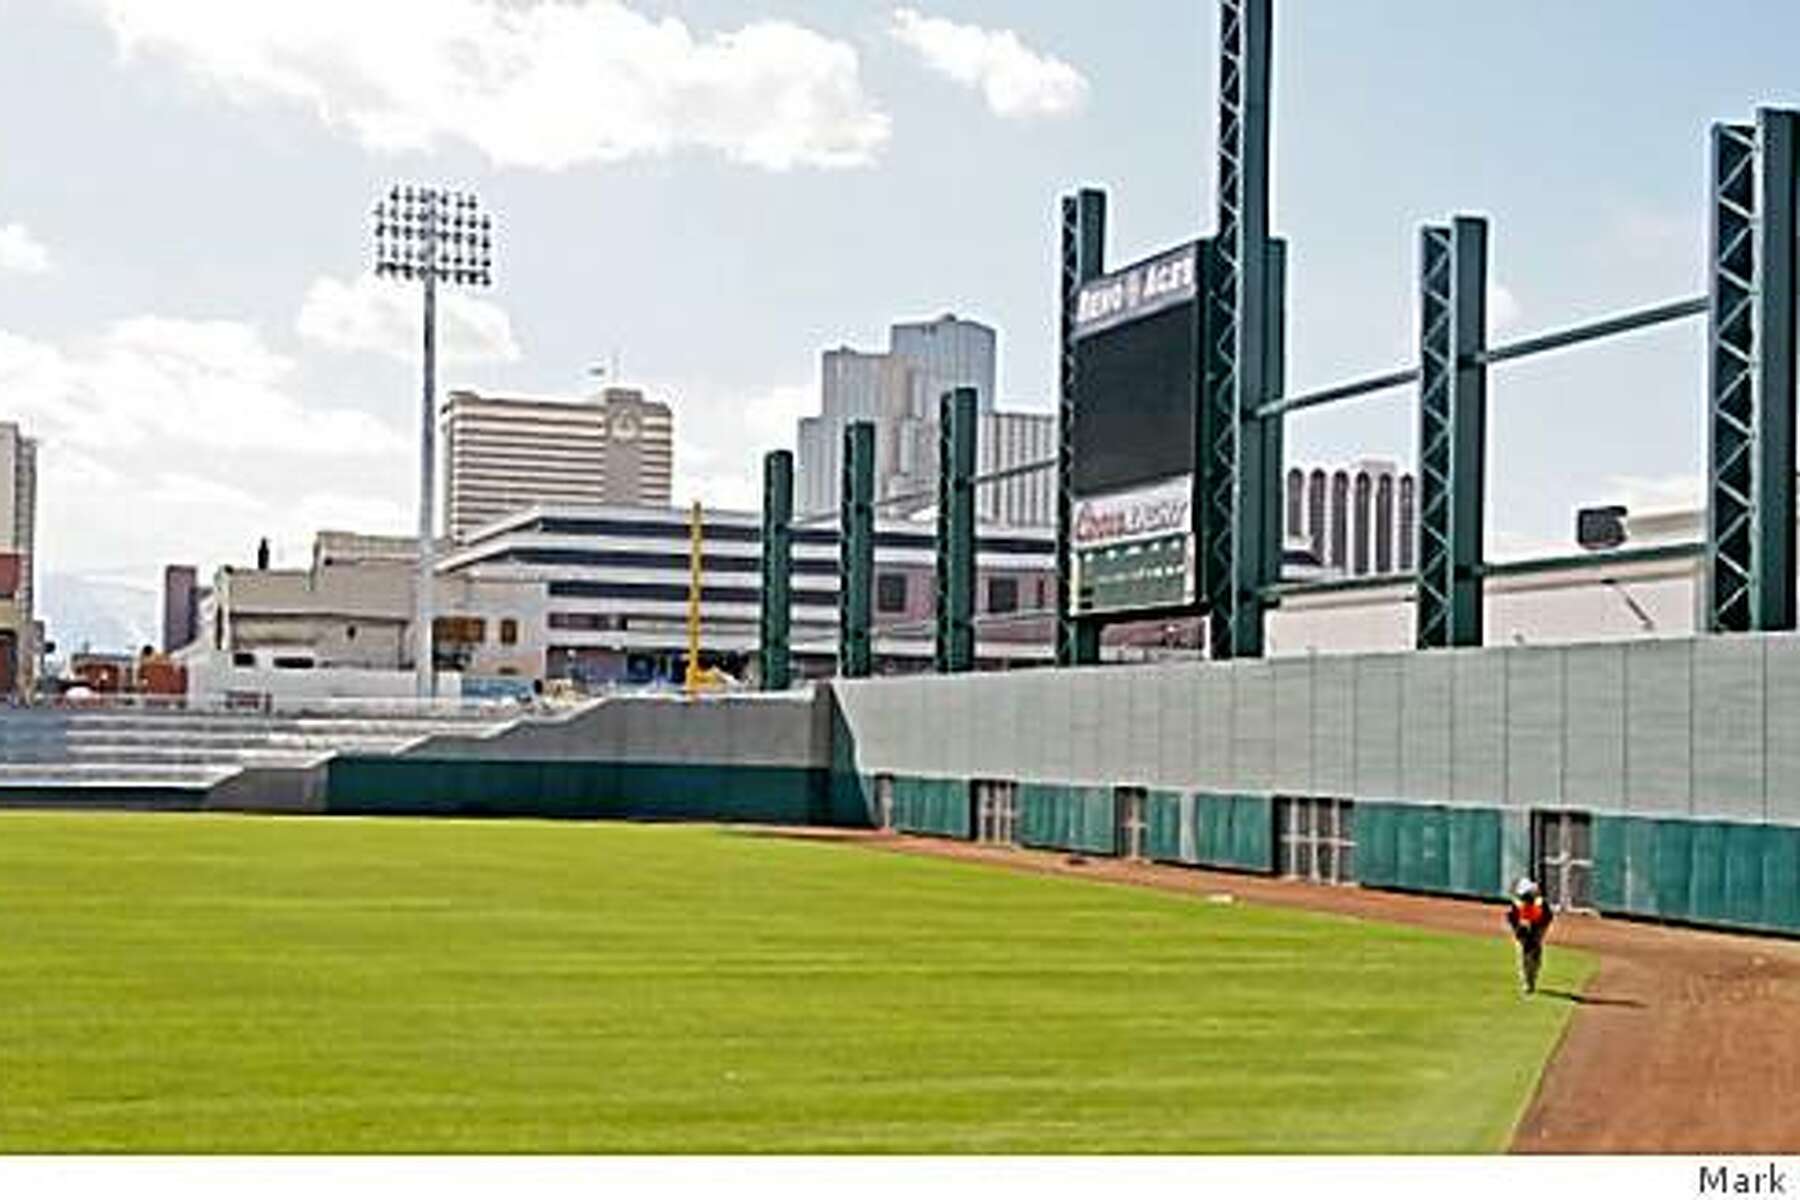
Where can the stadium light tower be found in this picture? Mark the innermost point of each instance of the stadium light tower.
(430, 234)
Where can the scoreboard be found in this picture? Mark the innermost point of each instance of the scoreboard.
(1137, 401)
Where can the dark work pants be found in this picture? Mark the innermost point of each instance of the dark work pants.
(1531, 957)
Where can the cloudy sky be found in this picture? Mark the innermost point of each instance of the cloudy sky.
(714, 192)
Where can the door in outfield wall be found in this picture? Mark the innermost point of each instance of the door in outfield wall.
(1562, 854)
(884, 800)
(1318, 839)
(1129, 805)
(996, 812)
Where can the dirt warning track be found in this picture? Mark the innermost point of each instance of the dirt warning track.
(1683, 1042)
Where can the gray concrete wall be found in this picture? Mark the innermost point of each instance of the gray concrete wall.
(1695, 727)
(714, 731)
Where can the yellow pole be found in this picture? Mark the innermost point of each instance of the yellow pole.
(695, 531)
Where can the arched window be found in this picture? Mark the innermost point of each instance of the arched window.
(1340, 519)
(1409, 524)
(1384, 524)
(1360, 528)
(1315, 512)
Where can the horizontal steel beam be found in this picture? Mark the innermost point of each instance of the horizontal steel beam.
(1342, 391)
(1622, 557)
(998, 476)
(1012, 618)
(1005, 473)
(1606, 327)
(1625, 556)
(1326, 587)
(1561, 339)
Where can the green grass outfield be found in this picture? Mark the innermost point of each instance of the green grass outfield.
(197, 983)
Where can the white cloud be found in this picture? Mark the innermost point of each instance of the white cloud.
(722, 435)
(379, 315)
(1503, 308)
(167, 440)
(1016, 80)
(21, 252)
(543, 85)
(202, 385)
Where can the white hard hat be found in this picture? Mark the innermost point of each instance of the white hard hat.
(1525, 888)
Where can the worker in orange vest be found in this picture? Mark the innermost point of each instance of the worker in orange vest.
(1530, 918)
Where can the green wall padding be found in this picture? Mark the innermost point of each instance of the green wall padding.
(1430, 848)
(1744, 897)
(1378, 844)
(1781, 877)
(1706, 873)
(1055, 817)
(1233, 832)
(939, 807)
(1711, 872)
(1253, 833)
(1640, 866)
(1676, 888)
(1162, 837)
(1433, 873)
(1609, 864)
(384, 786)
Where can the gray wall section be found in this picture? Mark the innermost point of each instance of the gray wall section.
(714, 731)
(1704, 727)
(1659, 722)
(1593, 728)
(1781, 730)
(1535, 759)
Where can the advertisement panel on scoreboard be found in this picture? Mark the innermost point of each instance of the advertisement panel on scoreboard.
(1136, 343)
(1135, 549)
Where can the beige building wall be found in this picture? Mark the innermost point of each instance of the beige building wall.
(352, 609)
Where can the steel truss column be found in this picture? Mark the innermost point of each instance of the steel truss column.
(856, 552)
(956, 532)
(1750, 582)
(1083, 260)
(777, 571)
(1238, 483)
(1453, 266)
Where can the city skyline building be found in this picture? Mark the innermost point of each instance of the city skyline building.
(1359, 519)
(508, 453)
(899, 389)
(19, 636)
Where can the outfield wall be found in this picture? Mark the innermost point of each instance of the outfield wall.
(1683, 754)
(749, 758)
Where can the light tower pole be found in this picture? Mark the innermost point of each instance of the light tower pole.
(431, 234)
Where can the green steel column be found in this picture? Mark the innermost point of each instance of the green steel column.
(1750, 442)
(1778, 136)
(1271, 431)
(1083, 260)
(1238, 481)
(856, 552)
(956, 532)
(777, 570)
(1452, 432)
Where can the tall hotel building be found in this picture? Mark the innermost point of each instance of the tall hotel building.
(505, 454)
